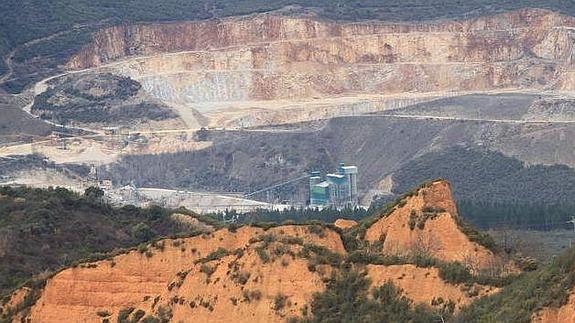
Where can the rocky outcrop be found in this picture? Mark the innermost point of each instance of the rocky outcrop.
(345, 224)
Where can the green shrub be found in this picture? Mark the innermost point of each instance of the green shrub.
(280, 302)
(263, 254)
(214, 255)
(292, 240)
(207, 269)
(239, 252)
(482, 239)
(321, 255)
(124, 314)
(522, 297)
(527, 263)
(151, 319)
(280, 250)
(424, 261)
(138, 315)
(103, 313)
(455, 273)
(346, 299)
(233, 228)
(143, 232)
(412, 219)
(241, 277)
(402, 203)
(251, 295)
(317, 230)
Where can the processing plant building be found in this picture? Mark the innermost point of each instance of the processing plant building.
(336, 190)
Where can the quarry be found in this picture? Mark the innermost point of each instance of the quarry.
(290, 164)
(207, 88)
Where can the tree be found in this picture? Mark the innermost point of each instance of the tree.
(143, 232)
(94, 193)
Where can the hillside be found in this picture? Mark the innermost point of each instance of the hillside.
(16, 125)
(491, 188)
(43, 230)
(545, 295)
(221, 67)
(487, 163)
(297, 91)
(429, 223)
(103, 99)
(275, 273)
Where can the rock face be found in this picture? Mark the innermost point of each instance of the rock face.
(427, 223)
(280, 69)
(267, 57)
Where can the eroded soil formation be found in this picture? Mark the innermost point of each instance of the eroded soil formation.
(239, 274)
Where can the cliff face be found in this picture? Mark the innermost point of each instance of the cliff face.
(267, 57)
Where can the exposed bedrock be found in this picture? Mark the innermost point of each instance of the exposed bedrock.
(271, 57)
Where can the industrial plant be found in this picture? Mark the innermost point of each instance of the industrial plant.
(337, 190)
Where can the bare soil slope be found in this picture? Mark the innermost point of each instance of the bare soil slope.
(427, 223)
(152, 278)
(244, 275)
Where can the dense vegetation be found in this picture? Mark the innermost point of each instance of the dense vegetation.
(347, 299)
(492, 189)
(72, 21)
(43, 230)
(518, 215)
(327, 215)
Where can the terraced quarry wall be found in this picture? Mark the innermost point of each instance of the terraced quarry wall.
(270, 57)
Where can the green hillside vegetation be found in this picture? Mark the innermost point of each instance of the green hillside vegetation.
(491, 188)
(27, 20)
(548, 287)
(44, 230)
(14, 164)
(347, 298)
(297, 215)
